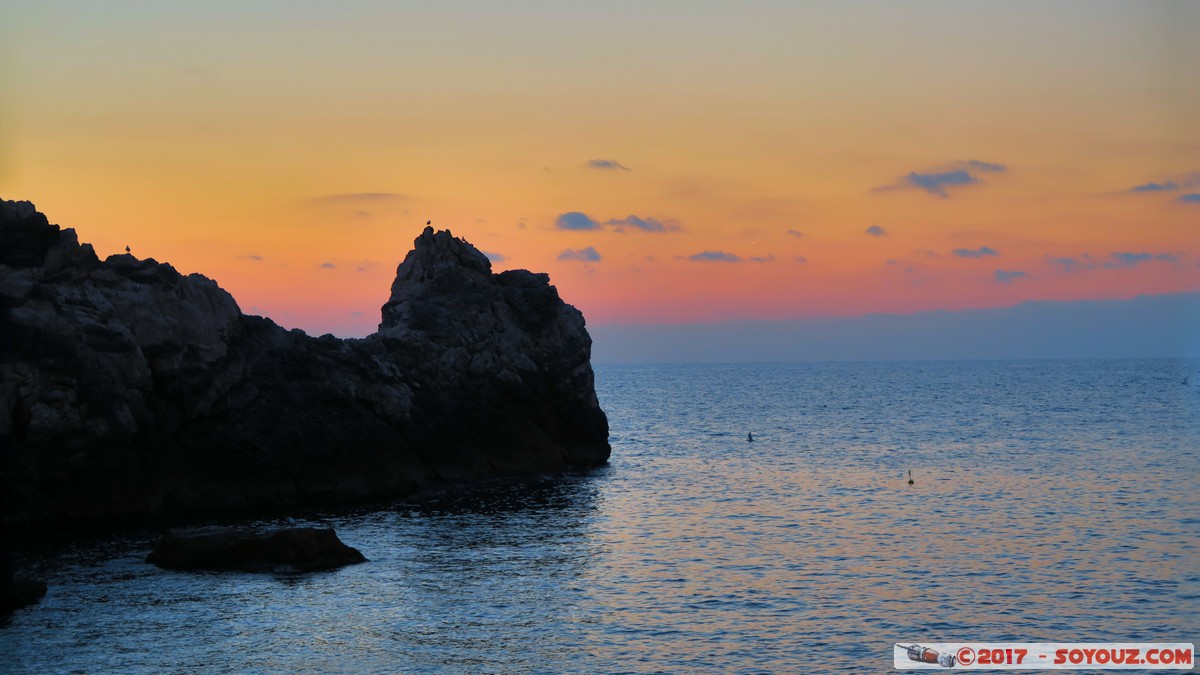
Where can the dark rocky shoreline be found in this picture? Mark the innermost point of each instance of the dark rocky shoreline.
(132, 393)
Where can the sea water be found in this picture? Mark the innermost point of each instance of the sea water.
(1052, 501)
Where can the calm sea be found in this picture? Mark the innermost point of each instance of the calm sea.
(1054, 501)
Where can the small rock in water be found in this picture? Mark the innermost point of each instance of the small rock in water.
(19, 592)
(299, 549)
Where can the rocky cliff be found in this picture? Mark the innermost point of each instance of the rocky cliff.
(128, 390)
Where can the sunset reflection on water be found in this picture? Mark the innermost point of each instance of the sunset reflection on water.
(1053, 502)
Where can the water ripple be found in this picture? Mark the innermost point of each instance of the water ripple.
(1054, 501)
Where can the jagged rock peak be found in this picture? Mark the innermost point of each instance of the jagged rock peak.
(440, 254)
(439, 251)
(438, 264)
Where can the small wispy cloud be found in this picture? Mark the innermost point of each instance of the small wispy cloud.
(796, 233)
(327, 266)
(1073, 264)
(579, 221)
(588, 254)
(607, 164)
(1155, 187)
(981, 252)
(937, 181)
(644, 224)
(253, 256)
(1169, 184)
(801, 259)
(715, 256)
(495, 257)
(1125, 260)
(576, 220)
(762, 259)
(986, 167)
(876, 231)
(1007, 276)
(1193, 198)
(1120, 260)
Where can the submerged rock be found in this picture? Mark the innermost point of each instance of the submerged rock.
(17, 592)
(20, 592)
(293, 549)
(130, 391)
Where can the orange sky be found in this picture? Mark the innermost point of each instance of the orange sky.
(292, 151)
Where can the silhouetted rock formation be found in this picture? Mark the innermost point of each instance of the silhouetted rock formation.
(293, 549)
(128, 390)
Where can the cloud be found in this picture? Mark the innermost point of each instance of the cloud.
(986, 167)
(326, 266)
(1006, 276)
(1125, 260)
(253, 256)
(1155, 187)
(926, 252)
(1084, 262)
(644, 224)
(1193, 198)
(1171, 184)
(801, 259)
(588, 254)
(980, 252)
(796, 233)
(574, 220)
(715, 256)
(1118, 260)
(876, 231)
(607, 164)
(495, 257)
(762, 259)
(936, 181)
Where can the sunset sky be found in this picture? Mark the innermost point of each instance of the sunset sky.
(665, 162)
